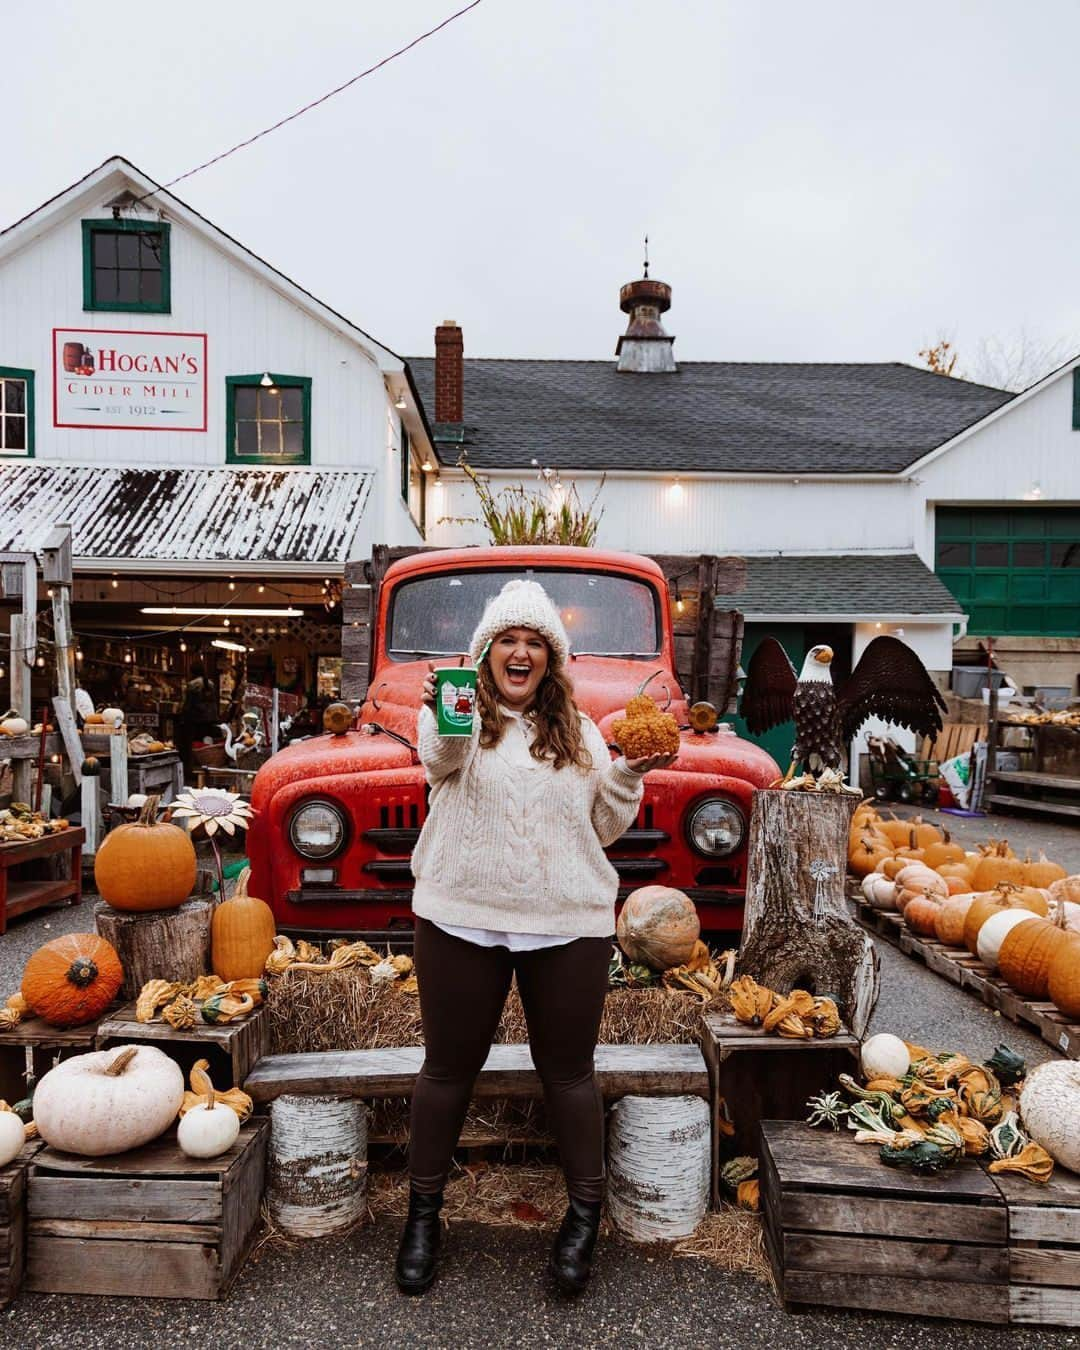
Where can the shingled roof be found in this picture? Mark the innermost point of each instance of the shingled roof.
(709, 416)
(844, 584)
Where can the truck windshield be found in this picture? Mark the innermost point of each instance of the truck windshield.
(604, 615)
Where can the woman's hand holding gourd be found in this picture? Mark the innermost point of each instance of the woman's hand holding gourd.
(650, 762)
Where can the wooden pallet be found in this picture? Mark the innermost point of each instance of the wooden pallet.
(961, 968)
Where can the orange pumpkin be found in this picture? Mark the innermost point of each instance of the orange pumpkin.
(1064, 976)
(147, 865)
(998, 864)
(934, 855)
(920, 914)
(923, 834)
(898, 832)
(891, 866)
(1026, 954)
(866, 855)
(915, 888)
(957, 885)
(72, 979)
(960, 870)
(1043, 873)
(241, 934)
(949, 921)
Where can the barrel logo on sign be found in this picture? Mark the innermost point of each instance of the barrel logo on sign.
(136, 381)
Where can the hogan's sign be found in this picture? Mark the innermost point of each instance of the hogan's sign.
(134, 381)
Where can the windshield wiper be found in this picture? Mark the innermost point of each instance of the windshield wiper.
(619, 656)
(404, 651)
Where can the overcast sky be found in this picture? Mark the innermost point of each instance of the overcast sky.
(819, 181)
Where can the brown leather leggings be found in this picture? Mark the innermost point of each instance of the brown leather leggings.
(462, 991)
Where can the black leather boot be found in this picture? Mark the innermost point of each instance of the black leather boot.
(415, 1266)
(571, 1257)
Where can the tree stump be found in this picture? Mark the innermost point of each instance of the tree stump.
(318, 1164)
(797, 933)
(160, 944)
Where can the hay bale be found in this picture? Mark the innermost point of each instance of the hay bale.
(347, 1010)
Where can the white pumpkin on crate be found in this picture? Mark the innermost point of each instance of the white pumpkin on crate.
(879, 892)
(208, 1129)
(12, 1135)
(1050, 1107)
(108, 1101)
(658, 926)
(884, 1056)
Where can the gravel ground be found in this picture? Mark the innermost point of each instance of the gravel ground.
(491, 1290)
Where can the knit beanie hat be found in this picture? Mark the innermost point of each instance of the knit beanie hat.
(521, 604)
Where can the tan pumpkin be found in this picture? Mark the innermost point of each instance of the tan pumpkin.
(986, 904)
(879, 891)
(1027, 951)
(920, 914)
(919, 888)
(1063, 980)
(242, 934)
(866, 855)
(944, 852)
(146, 865)
(1043, 872)
(1068, 889)
(949, 921)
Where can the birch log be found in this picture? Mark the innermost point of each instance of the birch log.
(797, 933)
(658, 1166)
(318, 1164)
(165, 944)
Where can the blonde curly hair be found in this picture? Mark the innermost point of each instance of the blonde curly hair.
(554, 714)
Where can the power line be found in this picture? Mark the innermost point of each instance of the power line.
(241, 145)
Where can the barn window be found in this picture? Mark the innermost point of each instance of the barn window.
(268, 417)
(16, 412)
(126, 266)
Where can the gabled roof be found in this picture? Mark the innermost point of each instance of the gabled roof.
(200, 516)
(709, 416)
(894, 585)
(116, 173)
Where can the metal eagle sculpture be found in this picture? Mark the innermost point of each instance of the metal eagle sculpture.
(889, 682)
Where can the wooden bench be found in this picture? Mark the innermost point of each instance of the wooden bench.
(621, 1070)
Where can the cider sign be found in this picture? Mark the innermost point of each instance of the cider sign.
(132, 381)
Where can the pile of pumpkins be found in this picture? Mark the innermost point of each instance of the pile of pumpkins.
(1020, 917)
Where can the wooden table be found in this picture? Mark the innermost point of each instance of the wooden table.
(18, 895)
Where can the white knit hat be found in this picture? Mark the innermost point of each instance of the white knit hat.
(521, 604)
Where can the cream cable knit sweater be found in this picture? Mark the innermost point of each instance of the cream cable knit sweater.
(520, 849)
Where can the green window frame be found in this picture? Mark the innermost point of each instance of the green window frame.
(131, 252)
(276, 429)
(21, 412)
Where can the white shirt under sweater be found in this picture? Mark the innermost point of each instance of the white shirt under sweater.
(615, 793)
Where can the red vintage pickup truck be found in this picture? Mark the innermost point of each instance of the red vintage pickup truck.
(337, 816)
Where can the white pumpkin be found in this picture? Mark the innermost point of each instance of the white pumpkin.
(136, 799)
(113, 716)
(12, 1137)
(994, 931)
(884, 1056)
(879, 891)
(918, 874)
(208, 1130)
(108, 1101)
(14, 725)
(1050, 1107)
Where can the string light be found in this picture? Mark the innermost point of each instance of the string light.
(232, 585)
(41, 662)
(115, 583)
(183, 646)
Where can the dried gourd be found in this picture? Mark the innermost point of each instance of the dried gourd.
(985, 1106)
(825, 1018)
(948, 1139)
(1032, 1162)
(1007, 1138)
(1007, 1066)
(202, 1087)
(9, 1018)
(748, 1195)
(223, 1007)
(255, 988)
(154, 995)
(205, 986)
(182, 1013)
(17, 1003)
(750, 1001)
(737, 1170)
(798, 1003)
(282, 957)
(890, 1085)
(827, 1108)
(646, 730)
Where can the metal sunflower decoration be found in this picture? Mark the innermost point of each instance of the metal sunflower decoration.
(214, 809)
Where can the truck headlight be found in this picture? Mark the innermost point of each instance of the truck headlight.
(716, 828)
(317, 830)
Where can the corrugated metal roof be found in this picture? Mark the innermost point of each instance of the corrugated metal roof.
(843, 583)
(185, 515)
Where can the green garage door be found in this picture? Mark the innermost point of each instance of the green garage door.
(1015, 570)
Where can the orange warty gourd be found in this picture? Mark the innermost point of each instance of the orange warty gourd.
(949, 921)
(1043, 873)
(1064, 979)
(866, 855)
(241, 934)
(984, 905)
(1026, 954)
(72, 979)
(147, 865)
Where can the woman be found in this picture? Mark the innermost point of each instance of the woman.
(511, 878)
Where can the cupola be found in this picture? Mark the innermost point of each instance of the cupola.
(645, 348)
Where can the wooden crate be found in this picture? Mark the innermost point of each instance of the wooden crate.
(13, 1221)
(20, 894)
(845, 1231)
(232, 1049)
(765, 1077)
(1044, 1248)
(36, 1045)
(151, 1223)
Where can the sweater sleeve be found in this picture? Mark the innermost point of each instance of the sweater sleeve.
(440, 755)
(618, 788)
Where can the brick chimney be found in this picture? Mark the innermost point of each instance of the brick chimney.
(449, 372)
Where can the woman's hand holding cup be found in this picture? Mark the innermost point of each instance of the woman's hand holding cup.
(427, 690)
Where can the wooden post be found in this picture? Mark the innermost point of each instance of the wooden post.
(275, 719)
(797, 933)
(65, 720)
(118, 767)
(167, 944)
(90, 812)
(21, 769)
(318, 1164)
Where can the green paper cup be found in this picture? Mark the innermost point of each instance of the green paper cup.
(455, 700)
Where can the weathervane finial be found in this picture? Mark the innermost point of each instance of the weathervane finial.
(646, 256)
